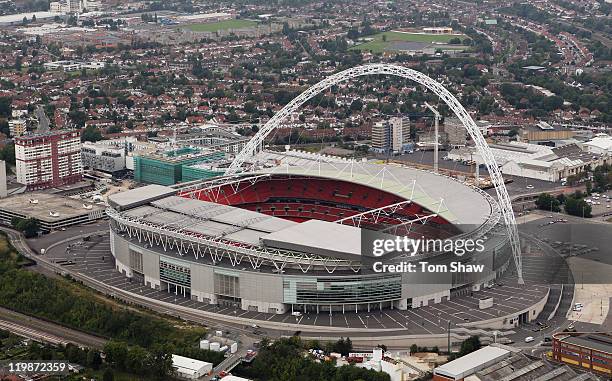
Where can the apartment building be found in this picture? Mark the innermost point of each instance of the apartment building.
(49, 159)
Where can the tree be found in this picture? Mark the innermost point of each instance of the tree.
(29, 227)
(136, 360)
(116, 354)
(114, 129)
(7, 153)
(18, 63)
(469, 345)
(94, 360)
(577, 207)
(356, 105)
(414, 349)
(545, 201)
(5, 107)
(91, 134)
(4, 127)
(108, 375)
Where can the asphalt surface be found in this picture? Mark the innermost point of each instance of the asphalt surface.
(92, 263)
(93, 259)
(515, 185)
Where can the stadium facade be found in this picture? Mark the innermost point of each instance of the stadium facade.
(289, 238)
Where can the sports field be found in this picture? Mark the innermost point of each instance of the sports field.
(378, 45)
(221, 25)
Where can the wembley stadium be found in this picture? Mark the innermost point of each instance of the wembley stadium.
(288, 237)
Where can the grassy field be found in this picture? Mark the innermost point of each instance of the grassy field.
(221, 25)
(377, 45)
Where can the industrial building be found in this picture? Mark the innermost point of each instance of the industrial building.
(190, 369)
(498, 362)
(46, 160)
(600, 144)
(166, 167)
(52, 212)
(459, 369)
(535, 161)
(587, 351)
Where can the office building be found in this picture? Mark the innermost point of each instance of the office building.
(391, 136)
(49, 159)
(103, 157)
(67, 6)
(166, 167)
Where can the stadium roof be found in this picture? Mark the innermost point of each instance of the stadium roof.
(454, 201)
(139, 196)
(318, 237)
(210, 219)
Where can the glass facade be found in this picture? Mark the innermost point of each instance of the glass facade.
(175, 273)
(167, 169)
(341, 291)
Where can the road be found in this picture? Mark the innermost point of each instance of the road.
(43, 121)
(246, 343)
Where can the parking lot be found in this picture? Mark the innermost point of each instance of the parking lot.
(93, 258)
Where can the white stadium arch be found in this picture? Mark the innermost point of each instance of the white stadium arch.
(386, 69)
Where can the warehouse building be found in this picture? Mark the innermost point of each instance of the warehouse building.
(535, 161)
(190, 369)
(503, 363)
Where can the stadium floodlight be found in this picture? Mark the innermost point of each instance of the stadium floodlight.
(497, 180)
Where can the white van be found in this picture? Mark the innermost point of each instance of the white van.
(529, 339)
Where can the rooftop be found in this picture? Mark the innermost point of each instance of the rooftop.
(472, 362)
(188, 365)
(599, 342)
(46, 207)
(210, 219)
(319, 237)
(179, 155)
(139, 196)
